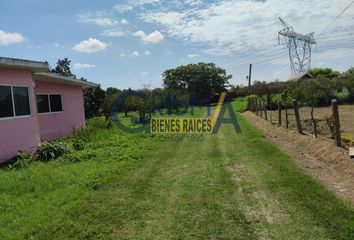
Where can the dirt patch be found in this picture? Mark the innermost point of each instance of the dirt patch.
(317, 156)
(258, 204)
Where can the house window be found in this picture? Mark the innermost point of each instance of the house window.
(47, 103)
(14, 101)
(55, 103)
(21, 101)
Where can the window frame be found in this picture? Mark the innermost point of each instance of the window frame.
(29, 91)
(50, 108)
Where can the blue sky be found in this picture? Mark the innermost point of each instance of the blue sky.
(130, 43)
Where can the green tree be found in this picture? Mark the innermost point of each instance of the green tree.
(200, 80)
(112, 90)
(94, 98)
(110, 95)
(136, 103)
(347, 80)
(323, 72)
(313, 92)
(63, 68)
(144, 106)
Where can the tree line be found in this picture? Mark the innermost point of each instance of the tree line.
(317, 88)
(191, 84)
(200, 83)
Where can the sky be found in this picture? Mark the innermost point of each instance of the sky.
(131, 43)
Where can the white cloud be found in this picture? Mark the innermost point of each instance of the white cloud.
(113, 33)
(147, 53)
(131, 4)
(165, 18)
(193, 2)
(135, 54)
(122, 55)
(89, 46)
(144, 73)
(153, 37)
(83, 65)
(192, 55)
(105, 22)
(99, 18)
(230, 26)
(124, 21)
(7, 38)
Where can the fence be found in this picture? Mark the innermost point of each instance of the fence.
(324, 121)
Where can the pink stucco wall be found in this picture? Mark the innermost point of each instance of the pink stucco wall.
(53, 125)
(22, 133)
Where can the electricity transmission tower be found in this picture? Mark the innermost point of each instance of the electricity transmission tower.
(146, 86)
(300, 47)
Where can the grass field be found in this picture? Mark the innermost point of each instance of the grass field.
(133, 186)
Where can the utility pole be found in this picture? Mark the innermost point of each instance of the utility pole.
(248, 93)
(249, 77)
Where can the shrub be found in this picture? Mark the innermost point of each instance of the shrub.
(78, 145)
(22, 160)
(348, 140)
(92, 126)
(342, 97)
(99, 123)
(51, 150)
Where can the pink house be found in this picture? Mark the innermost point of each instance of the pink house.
(36, 105)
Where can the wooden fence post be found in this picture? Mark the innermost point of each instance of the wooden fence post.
(265, 112)
(336, 122)
(297, 116)
(279, 114)
(286, 118)
(250, 104)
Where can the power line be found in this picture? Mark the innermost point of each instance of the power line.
(272, 60)
(344, 10)
(248, 58)
(273, 56)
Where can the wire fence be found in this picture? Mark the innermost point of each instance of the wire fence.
(319, 121)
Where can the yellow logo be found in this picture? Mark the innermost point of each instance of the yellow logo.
(187, 125)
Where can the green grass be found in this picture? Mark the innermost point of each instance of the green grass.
(240, 104)
(132, 186)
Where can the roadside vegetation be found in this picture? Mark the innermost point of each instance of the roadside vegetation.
(103, 183)
(318, 88)
(114, 185)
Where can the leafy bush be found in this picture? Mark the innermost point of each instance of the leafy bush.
(22, 160)
(78, 145)
(342, 97)
(92, 125)
(99, 123)
(51, 150)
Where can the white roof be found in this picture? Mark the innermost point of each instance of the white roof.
(41, 71)
(56, 78)
(35, 66)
